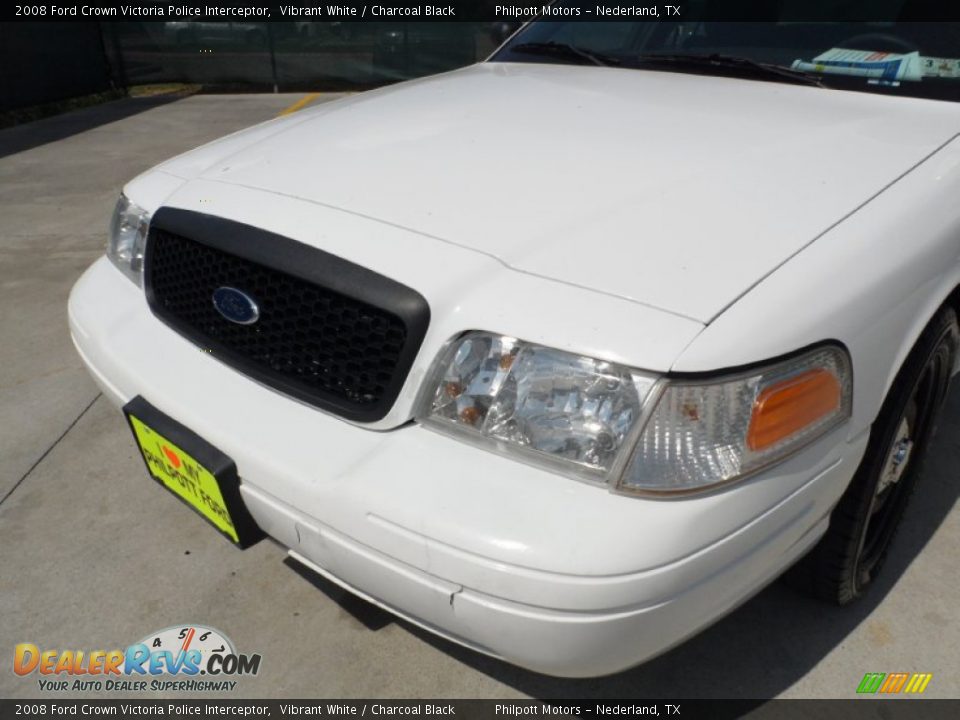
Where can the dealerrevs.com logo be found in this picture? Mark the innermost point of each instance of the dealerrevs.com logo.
(179, 658)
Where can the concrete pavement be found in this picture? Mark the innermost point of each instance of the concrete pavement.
(93, 555)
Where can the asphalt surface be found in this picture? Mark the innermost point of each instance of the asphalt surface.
(95, 556)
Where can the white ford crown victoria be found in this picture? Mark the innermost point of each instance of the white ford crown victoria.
(563, 355)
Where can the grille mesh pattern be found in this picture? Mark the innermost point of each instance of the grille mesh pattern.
(308, 336)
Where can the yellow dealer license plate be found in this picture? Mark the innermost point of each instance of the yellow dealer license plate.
(193, 470)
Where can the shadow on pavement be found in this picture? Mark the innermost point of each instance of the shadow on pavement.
(772, 641)
(40, 132)
(371, 616)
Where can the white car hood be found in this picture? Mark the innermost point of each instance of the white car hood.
(672, 190)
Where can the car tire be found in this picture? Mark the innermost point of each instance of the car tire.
(843, 565)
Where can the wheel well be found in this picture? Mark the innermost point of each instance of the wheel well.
(953, 300)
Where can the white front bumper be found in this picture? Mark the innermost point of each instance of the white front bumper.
(546, 572)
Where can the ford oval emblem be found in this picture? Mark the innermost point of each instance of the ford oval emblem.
(236, 306)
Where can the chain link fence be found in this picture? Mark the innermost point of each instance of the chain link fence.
(49, 61)
(295, 55)
(41, 62)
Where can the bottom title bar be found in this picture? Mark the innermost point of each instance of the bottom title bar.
(470, 709)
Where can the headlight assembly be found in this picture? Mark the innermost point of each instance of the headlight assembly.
(569, 412)
(128, 237)
(604, 422)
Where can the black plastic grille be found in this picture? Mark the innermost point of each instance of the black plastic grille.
(321, 344)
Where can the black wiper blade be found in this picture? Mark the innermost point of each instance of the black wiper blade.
(731, 62)
(564, 50)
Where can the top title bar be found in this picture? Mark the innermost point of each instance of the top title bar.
(485, 11)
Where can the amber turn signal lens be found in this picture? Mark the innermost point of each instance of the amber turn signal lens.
(789, 406)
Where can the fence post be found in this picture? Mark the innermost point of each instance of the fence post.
(273, 57)
(118, 65)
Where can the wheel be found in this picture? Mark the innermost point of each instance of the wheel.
(844, 564)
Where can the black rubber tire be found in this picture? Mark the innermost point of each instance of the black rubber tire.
(843, 565)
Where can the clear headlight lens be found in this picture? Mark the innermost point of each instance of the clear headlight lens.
(128, 237)
(706, 433)
(570, 412)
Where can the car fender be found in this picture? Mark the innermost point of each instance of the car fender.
(872, 281)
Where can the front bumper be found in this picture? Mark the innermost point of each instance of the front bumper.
(545, 572)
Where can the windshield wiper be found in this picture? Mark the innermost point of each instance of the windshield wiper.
(731, 62)
(556, 49)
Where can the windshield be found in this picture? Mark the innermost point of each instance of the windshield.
(920, 59)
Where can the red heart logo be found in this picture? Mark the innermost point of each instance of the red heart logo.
(172, 457)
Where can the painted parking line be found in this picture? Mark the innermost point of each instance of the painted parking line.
(300, 104)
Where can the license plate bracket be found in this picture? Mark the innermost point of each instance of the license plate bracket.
(194, 471)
